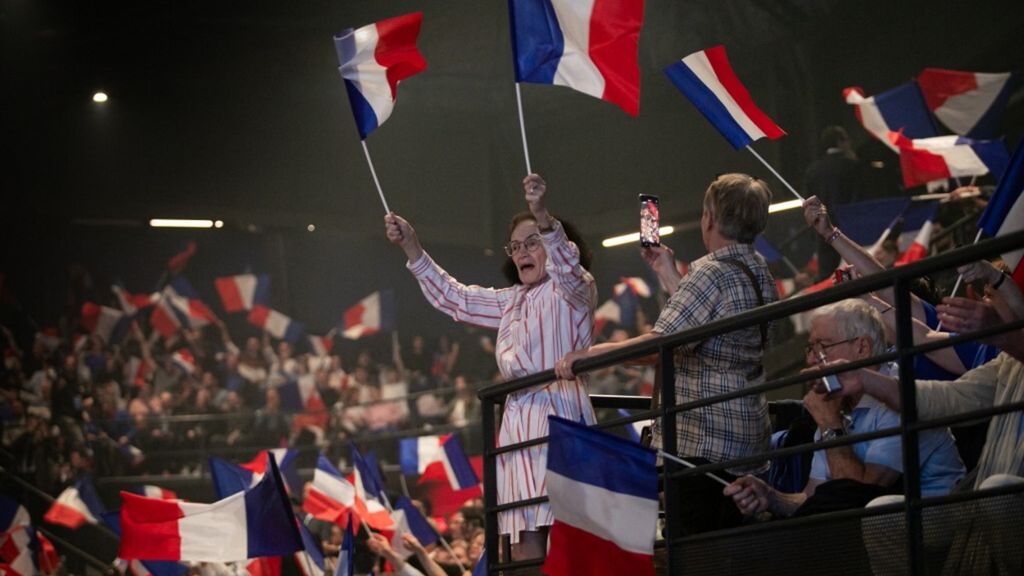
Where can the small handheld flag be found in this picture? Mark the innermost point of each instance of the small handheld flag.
(968, 103)
(900, 109)
(1005, 212)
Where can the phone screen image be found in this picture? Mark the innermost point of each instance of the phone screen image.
(649, 221)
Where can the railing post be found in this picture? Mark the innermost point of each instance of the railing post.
(670, 444)
(490, 485)
(908, 436)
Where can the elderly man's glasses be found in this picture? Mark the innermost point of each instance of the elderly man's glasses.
(819, 348)
(531, 243)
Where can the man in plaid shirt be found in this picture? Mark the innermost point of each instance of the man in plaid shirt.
(730, 279)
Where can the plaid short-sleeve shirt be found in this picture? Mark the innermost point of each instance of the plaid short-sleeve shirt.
(713, 290)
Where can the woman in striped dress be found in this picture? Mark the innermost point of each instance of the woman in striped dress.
(545, 314)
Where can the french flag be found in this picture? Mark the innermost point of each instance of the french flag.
(77, 505)
(12, 514)
(231, 478)
(901, 109)
(916, 238)
(968, 103)
(139, 567)
(435, 457)
(136, 370)
(164, 320)
(331, 497)
(924, 160)
(176, 264)
(275, 323)
(132, 303)
(243, 291)
(634, 284)
(373, 60)
(588, 45)
(102, 321)
(250, 524)
(16, 558)
(151, 491)
(346, 556)
(1005, 212)
(603, 491)
(302, 395)
(707, 79)
(372, 315)
(310, 559)
(184, 360)
(409, 520)
(321, 346)
(371, 502)
(184, 298)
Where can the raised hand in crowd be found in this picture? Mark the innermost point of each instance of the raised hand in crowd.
(662, 260)
(535, 190)
(401, 233)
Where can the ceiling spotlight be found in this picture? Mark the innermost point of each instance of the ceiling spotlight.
(311, 227)
(634, 237)
(180, 223)
(218, 223)
(787, 205)
(99, 97)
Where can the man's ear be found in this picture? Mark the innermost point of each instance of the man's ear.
(864, 346)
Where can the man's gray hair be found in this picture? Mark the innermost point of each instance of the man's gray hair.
(855, 318)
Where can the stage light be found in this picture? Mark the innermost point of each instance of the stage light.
(181, 223)
(99, 97)
(787, 205)
(218, 223)
(634, 237)
(311, 227)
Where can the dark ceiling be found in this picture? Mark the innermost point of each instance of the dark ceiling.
(234, 109)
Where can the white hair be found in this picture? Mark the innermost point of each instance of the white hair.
(855, 318)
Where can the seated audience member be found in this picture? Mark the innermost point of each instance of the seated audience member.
(848, 331)
(941, 364)
(465, 407)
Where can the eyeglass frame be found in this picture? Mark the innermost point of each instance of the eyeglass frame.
(532, 240)
(810, 348)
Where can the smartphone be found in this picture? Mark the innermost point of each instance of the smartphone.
(649, 221)
(830, 382)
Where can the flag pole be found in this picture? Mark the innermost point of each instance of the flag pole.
(375, 180)
(789, 264)
(522, 128)
(777, 175)
(960, 277)
(440, 537)
(678, 460)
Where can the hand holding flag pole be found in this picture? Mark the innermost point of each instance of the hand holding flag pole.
(372, 61)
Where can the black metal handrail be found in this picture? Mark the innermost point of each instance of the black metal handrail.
(898, 278)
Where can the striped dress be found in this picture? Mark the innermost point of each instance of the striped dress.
(536, 327)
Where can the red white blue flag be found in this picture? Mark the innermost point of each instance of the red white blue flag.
(587, 45)
(107, 323)
(900, 109)
(275, 323)
(604, 496)
(372, 315)
(968, 103)
(437, 457)
(707, 79)
(241, 292)
(151, 491)
(924, 160)
(373, 60)
(331, 497)
(1005, 212)
(76, 505)
(257, 522)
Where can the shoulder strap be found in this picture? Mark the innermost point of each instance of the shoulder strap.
(757, 291)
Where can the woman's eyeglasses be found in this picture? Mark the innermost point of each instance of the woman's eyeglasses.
(532, 243)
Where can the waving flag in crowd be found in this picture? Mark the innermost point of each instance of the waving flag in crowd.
(310, 559)
(331, 497)
(16, 551)
(163, 319)
(372, 315)
(140, 567)
(590, 46)
(919, 220)
(243, 291)
(107, 323)
(184, 360)
(178, 262)
(132, 303)
(436, 457)
(371, 502)
(968, 103)
(231, 478)
(301, 395)
(900, 109)
(150, 491)
(12, 514)
(634, 284)
(275, 323)
(76, 505)
(321, 346)
(927, 159)
(250, 524)
(707, 79)
(606, 512)
(373, 60)
(1005, 213)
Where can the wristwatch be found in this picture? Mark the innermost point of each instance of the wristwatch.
(832, 434)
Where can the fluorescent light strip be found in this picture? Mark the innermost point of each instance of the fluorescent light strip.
(180, 223)
(787, 205)
(635, 237)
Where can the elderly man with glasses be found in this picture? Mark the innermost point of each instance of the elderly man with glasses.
(848, 331)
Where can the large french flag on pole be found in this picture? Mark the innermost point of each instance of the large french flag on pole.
(373, 60)
(241, 292)
(923, 160)
(372, 315)
(968, 103)
(588, 45)
(900, 109)
(707, 79)
(604, 496)
(250, 524)
(75, 506)
(1005, 212)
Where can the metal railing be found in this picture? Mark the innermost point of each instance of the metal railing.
(899, 279)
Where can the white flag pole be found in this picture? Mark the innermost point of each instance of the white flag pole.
(522, 129)
(375, 180)
(678, 460)
(960, 277)
(769, 166)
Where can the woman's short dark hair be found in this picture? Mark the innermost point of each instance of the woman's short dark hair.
(508, 268)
